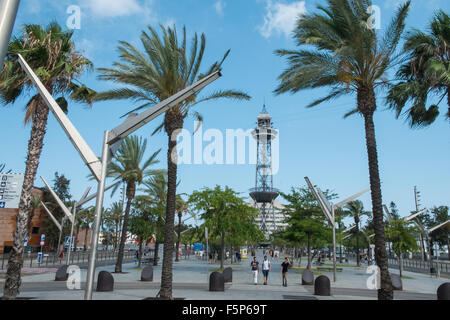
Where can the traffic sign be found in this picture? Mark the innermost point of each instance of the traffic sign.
(42, 239)
(39, 257)
(25, 242)
(66, 242)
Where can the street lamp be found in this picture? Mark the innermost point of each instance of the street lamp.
(329, 210)
(111, 143)
(8, 13)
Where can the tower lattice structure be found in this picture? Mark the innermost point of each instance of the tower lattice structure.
(264, 194)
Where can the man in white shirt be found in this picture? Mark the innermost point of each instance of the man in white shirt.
(266, 267)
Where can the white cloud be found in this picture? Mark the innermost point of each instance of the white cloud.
(281, 18)
(112, 8)
(219, 6)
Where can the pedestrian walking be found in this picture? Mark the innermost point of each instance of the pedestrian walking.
(136, 257)
(61, 256)
(266, 267)
(255, 269)
(284, 270)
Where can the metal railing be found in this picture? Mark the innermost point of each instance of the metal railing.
(422, 266)
(52, 260)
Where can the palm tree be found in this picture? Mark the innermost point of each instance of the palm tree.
(427, 72)
(2, 167)
(163, 69)
(112, 218)
(50, 51)
(87, 219)
(127, 167)
(355, 209)
(156, 191)
(339, 49)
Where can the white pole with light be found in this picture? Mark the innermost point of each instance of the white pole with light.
(8, 13)
(111, 143)
(329, 211)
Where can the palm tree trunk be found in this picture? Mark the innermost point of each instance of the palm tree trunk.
(309, 251)
(140, 253)
(155, 255)
(367, 105)
(178, 237)
(35, 144)
(222, 250)
(172, 123)
(123, 237)
(400, 263)
(358, 258)
(85, 238)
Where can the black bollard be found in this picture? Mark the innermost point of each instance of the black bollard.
(105, 282)
(147, 274)
(216, 282)
(443, 292)
(228, 274)
(307, 278)
(322, 286)
(61, 273)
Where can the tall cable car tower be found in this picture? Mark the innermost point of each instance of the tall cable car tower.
(264, 194)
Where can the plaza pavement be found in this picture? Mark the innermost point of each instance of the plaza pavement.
(190, 281)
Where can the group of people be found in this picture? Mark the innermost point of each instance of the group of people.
(267, 267)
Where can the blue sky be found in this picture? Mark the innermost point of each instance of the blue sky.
(317, 143)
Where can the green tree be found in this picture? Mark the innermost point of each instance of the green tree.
(339, 49)
(181, 207)
(156, 191)
(440, 215)
(50, 51)
(425, 73)
(306, 223)
(142, 222)
(226, 216)
(112, 219)
(164, 68)
(355, 209)
(401, 234)
(127, 166)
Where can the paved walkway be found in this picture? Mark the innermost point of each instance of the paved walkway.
(190, 278)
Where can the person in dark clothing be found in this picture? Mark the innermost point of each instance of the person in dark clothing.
(284, 270)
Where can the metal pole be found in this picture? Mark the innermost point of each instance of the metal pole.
(97, 220)
(60, 234)
(8, 13)
(334, 245)
(74, 212)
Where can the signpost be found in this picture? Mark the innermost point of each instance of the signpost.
(10, 190)
(329, 209)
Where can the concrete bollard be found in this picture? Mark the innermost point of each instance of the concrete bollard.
(105, 282)
(228, 274)
(396, 282)
(61, 273)
(147, 274)
(443, 292)
(322, 286)
(307, 278)
(216, 282)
